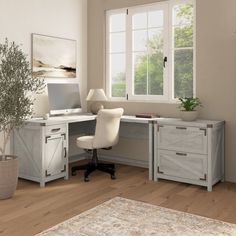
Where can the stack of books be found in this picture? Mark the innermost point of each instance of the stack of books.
(146, 115)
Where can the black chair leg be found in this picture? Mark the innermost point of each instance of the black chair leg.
(90, 168)
(107, 166)
(74, 169)
(106, 169)
(94, 165)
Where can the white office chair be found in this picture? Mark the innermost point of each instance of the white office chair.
(106, 136)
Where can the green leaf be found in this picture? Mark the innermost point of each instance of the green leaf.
(17, 85)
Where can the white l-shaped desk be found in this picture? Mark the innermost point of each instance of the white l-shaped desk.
(191, 152)
(43, 145)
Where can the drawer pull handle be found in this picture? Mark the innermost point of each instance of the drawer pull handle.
(46, 173)
(181, 154)
(158, 170)
(181, 127)
(55, 130)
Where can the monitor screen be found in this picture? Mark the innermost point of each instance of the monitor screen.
(64, 98)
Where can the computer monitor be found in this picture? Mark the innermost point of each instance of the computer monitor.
(64, 98)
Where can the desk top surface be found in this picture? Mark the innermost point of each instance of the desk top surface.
(82, 117)
(125, 118)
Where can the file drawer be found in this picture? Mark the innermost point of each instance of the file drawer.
(182, 138)
(184, 165)
(56, 129)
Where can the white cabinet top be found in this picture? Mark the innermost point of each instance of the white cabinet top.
(134, 119)
(196, 123)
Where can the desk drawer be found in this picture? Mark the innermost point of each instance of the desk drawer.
(182, 138)
(183, 165)
(55, 129)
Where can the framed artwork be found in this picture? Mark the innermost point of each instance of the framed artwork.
(53, 57)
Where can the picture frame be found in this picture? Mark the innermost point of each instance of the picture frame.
(53, 57)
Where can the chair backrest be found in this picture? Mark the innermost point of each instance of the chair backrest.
(107, 127)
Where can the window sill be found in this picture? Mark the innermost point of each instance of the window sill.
(173, 101)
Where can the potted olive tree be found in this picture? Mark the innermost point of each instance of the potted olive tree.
(17, 87)
(188, 108)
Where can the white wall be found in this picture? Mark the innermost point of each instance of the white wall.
(61, 18)
(215, 66)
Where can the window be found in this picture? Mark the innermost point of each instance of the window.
(150, 51)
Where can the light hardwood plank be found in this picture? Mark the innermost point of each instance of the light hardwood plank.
(34, 209)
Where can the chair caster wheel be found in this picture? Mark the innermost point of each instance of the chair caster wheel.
(73, 173)
(86, 179)
(113, 177)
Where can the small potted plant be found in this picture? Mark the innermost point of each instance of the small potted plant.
(188, 105)
(17, 87)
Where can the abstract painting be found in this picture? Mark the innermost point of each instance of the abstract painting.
(53, 57)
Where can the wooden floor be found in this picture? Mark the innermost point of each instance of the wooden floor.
(33, 209)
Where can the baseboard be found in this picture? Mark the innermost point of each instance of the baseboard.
(124, 161)
(115, 159)
(76, 158)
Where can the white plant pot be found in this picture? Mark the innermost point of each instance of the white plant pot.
(188, 115)
(8, 176)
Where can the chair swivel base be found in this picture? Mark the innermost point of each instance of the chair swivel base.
(91, 167)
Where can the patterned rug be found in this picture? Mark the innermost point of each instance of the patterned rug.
(123, 217)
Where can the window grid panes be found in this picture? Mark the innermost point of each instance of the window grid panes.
(147, 53)
(182, 28)
(117, 54)
(139, 41)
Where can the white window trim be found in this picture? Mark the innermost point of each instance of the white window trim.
(169, 98)
(134, 10)
(107, 47)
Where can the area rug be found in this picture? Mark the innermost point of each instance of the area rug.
(124, 217)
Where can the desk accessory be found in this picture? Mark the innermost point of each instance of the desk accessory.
(96, 96)
(146, 115)
(188, 105)
(46, 116)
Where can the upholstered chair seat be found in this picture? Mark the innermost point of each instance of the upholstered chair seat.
(85, 142)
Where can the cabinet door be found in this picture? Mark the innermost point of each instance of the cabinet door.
(183, 165)
(55, 155)
(185, 139)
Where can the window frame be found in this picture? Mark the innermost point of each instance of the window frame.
(168, 88)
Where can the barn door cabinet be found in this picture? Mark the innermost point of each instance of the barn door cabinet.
(190, 152)
(42, 152)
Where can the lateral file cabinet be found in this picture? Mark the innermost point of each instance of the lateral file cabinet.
(190, 152)
(42, 151)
